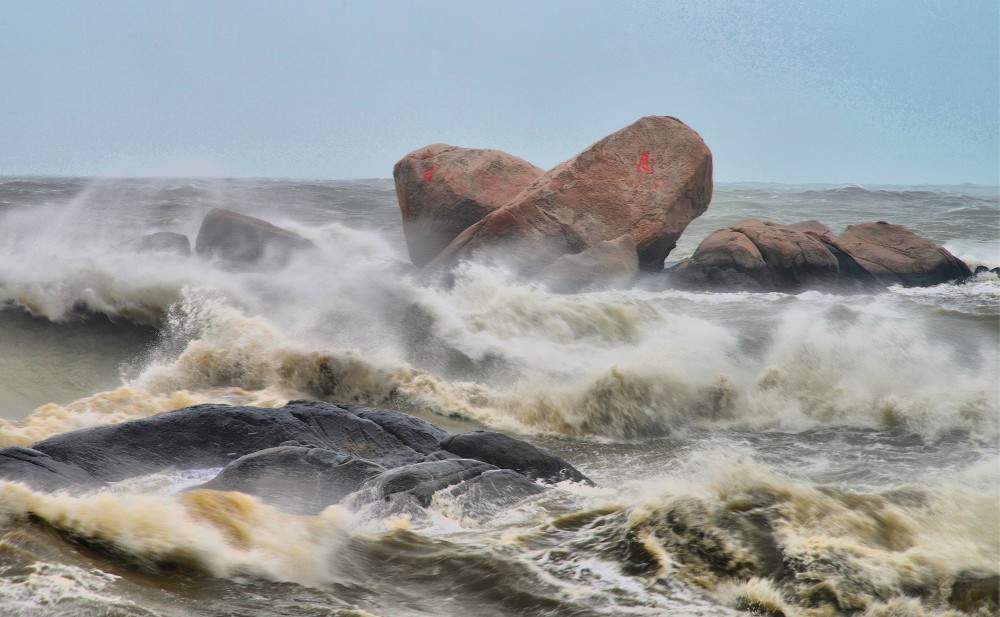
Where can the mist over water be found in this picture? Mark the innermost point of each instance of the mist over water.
(866, 425)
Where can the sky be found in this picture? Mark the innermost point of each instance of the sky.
(869, 92)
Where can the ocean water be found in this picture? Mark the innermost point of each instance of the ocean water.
(811, 454)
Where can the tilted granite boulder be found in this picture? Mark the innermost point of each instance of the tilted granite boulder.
(649, 179)
(443, 189)
(895, 255)
(239, 241)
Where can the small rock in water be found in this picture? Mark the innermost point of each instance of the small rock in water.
(974, 590)
(165, 242)
(239, 241)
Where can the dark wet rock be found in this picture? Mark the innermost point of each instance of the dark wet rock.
(613, 262)
(895, 255)
(297, 479)
(421, 480)
(974, 590)
(649, 179)
(165, 242)
(41, 472)
(418, 434)
(206, 436)
(494, 490)
(239, 241)
(508, 453)
(440, 455)
(444, 189)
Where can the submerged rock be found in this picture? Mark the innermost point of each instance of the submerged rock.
(165, 242)
(506, 452)
(648, 180)
(974, 590)
(297, 479)
(443, 189)
(612, 262)
(239, 241)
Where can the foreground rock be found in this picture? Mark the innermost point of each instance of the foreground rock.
(648, 180)
(298, 479)
(508, 453)
(206, 436)
(239, 241)
(443, 189)
(301, 457)
(41, 471)
(765, 256)
(165, 242)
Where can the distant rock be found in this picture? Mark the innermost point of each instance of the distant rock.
(895, 255)
(443, 189)
(612, 262)
(765, 256)
(649, 180)
(762, 256)
(239, 241)
(165, 242)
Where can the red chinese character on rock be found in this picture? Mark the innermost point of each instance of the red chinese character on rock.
(645, 164)
(429, 174)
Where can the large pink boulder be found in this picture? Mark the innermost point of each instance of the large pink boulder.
(649, 180)
(895, 255)
(444, 189)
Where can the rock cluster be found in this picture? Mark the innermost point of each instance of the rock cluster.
(646, 181)
(301, 457)
(765, 256)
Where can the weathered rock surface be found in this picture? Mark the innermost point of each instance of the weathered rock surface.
(649, 179)
(766, 256)
(760, 255)
(297, 479)
(612, 262)
(206, 436)
(421, 480)
(41, 472)
(895, 255)
(301, 457)
(443, 189)
(165, 242)
(239, 241)
(506, 452)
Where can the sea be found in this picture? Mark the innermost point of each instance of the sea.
(849, 443)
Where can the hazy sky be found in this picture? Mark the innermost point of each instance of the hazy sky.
(840, 91)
